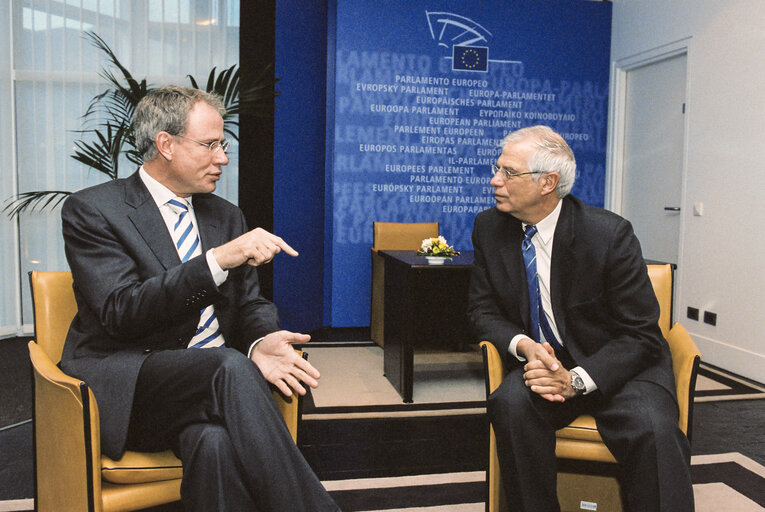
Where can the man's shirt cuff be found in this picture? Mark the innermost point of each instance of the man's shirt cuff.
(249, 351)
(218, 274)
(513, 348)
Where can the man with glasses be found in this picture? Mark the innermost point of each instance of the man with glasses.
(562, 291)
(172, 334)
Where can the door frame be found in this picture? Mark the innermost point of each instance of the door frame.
(616, 134)
(617, 120)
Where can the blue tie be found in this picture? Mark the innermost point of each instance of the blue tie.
(187, 243)
(536, 311)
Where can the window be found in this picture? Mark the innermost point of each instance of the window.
(49, 73)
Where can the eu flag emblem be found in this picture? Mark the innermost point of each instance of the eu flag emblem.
(470, 58)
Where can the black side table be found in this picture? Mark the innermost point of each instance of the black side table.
(425, 305)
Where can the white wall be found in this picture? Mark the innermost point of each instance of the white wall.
(721, 265)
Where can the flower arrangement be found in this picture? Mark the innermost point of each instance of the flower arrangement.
(437, 246)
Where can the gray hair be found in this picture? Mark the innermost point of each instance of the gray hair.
(167, 110)
(552, 155)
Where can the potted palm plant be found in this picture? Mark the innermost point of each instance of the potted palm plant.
(110, 139)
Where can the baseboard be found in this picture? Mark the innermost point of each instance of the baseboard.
(731, 358)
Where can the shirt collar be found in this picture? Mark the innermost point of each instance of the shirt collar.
(159, 193)
(546, 226)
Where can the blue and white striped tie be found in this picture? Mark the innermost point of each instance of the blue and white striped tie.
(187, 243)
(536, 310)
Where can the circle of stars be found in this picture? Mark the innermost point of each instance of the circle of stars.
(474, 54)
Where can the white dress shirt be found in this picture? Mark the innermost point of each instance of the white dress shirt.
(161, 195)
(543, 245)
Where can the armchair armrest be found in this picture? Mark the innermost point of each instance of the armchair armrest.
(65, 462)
(290, 407)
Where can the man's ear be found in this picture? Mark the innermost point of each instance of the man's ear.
(549, 182)
(165, 143)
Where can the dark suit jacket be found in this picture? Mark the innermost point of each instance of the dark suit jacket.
(604, 305)
(134, 296)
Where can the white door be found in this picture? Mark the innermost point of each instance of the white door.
(654, 135)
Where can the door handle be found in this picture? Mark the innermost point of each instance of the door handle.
(671, 208)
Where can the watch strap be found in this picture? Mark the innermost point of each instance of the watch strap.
(577, 383)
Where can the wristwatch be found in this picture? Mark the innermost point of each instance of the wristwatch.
(577, 383)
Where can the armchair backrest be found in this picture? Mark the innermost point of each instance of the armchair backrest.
(54, 308)
(661, 279)
(402, 235)
(685, 363)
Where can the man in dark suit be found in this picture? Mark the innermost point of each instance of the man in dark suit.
(562, 291)
(172, 334)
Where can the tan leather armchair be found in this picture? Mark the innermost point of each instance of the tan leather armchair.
(581, 440)
(661, 280)
(71, 472)
(391, 236)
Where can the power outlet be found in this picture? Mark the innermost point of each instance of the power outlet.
(710, 318)
(693, 313)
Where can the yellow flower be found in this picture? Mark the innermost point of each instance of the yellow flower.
(436, 246)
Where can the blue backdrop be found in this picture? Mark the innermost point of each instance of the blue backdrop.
(419, 95)
(301, 48)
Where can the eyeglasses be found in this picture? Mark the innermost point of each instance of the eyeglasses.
(507, 175)
(212, 146)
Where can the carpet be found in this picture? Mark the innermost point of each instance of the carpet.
(353, 382)
(729, 482)
(16, 467)
(15, 382)
(713, 384)
(374, 452)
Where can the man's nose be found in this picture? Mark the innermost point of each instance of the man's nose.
(220, 157)
(496, 181)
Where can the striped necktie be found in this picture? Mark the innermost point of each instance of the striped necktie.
(186, 241)
(536, 311)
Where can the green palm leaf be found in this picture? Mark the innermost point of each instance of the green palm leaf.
(257, 100)
(33, 201)
(134, 90)
(103, 154)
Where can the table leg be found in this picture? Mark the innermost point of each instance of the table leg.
(398, 352)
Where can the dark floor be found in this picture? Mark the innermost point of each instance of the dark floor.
(15, 382)
(732, 426)
(370, 448)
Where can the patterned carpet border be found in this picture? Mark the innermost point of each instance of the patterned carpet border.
(734, 473)
(737, 388)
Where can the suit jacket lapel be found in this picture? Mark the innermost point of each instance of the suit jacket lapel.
(510, 250)
(207, 221)
(148, 221)
(210, 235)
(561, 266)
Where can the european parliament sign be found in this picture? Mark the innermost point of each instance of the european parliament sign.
(423, 93)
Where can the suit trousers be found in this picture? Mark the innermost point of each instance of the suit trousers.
(638, 424)
(214, 408)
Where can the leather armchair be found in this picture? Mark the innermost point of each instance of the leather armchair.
(661, 280)
(71, 473)
(580, 440)
(391, 236)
